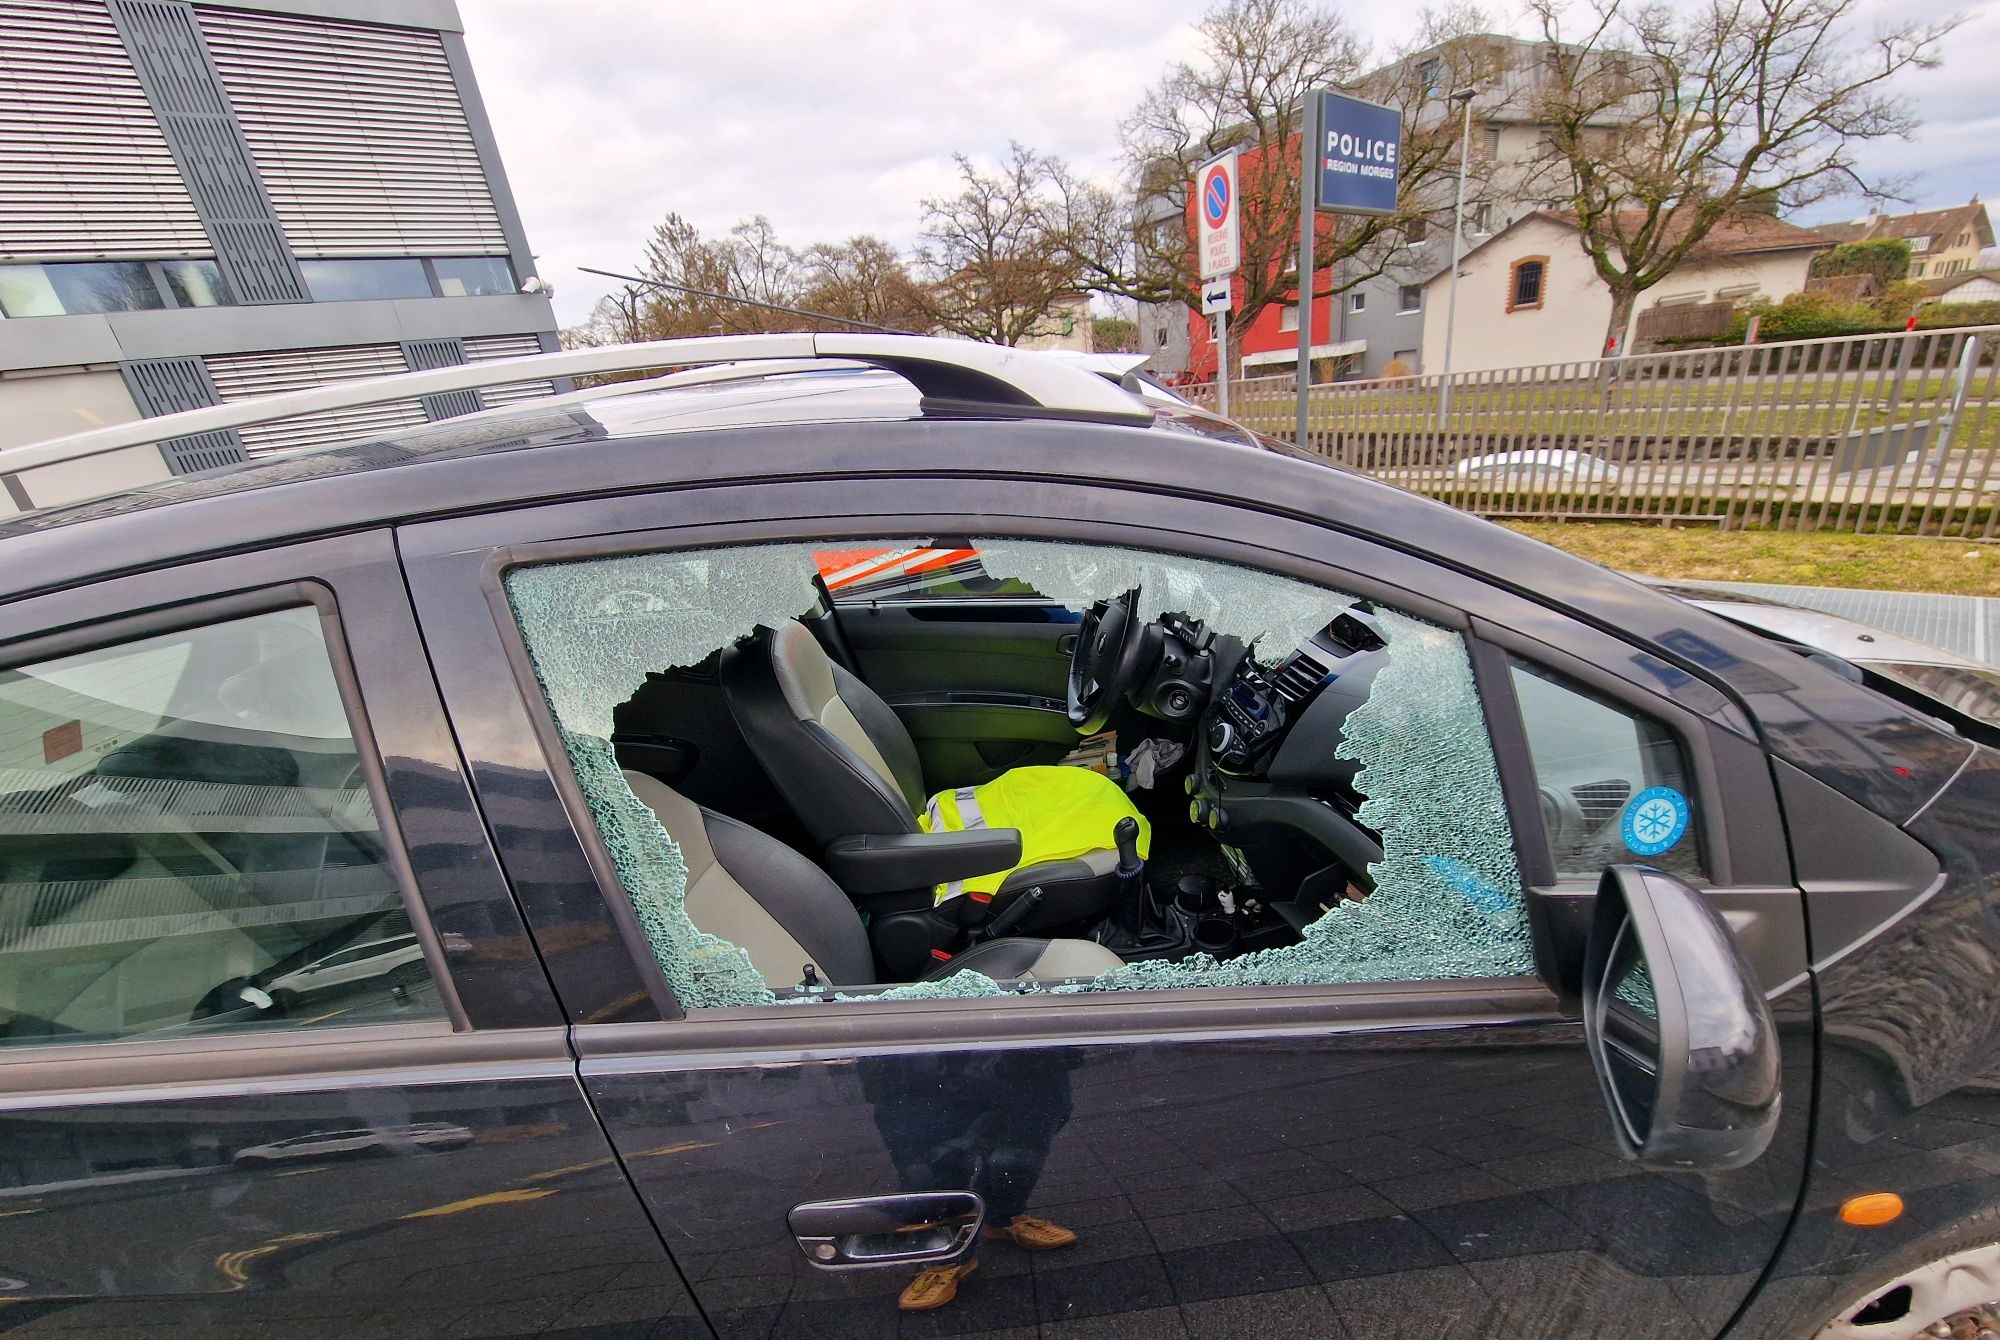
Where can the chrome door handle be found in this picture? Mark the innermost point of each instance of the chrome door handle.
(922, 1228)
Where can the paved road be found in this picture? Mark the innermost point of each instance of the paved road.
(1968, 625)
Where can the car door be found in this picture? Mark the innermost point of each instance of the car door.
(214, 778)
(1417, 1155)
(974, 666)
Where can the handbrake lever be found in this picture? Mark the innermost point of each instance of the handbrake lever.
(1010, 916)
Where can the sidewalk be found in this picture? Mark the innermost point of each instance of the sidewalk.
(1968, 625)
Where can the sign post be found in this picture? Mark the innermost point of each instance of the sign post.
(1221, 253)
(1350, 164)
(1216, 302)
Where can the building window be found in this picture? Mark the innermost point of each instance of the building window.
(1288, 317)
(195, 283)
(78, 289)
(1917, 270)
(1482, 218)
(1677, 300)
(473, 276)
(1410, 298)
(1526, 282)
(1428, 73)
(1491, 135)
(348, 281)
(1357, 302)
(1416, 230)
(1736, 294)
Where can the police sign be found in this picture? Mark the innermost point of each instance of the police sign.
(1359, 155)
(1216, 214)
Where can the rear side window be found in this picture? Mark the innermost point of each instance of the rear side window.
(1612, 781)
(187, 844)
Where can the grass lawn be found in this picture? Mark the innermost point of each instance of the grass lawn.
(1791, 558)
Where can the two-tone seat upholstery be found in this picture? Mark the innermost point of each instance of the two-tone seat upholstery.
(845, 763)
(754, 891)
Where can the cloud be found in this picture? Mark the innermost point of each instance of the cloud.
(836, 117)
(832, 117)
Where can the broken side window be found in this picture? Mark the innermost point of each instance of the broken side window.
(1408, 748)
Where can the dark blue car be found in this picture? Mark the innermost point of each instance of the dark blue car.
(908, 839)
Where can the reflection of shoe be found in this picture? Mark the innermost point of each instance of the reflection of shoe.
(1035, 1235)
(935, 1287)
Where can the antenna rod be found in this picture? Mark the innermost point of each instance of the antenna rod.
(747, 302)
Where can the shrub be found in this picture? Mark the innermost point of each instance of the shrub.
(1806, 316)
(1939, 315)
(1887, 258)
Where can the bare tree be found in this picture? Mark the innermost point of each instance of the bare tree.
(616, 319)
(859, 280)
(998, 257)
(1259, 60)
(863, 279)
(1664, 124)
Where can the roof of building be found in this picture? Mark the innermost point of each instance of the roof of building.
(1743, 234)
(1851, 231)
(1942, 223)
(1938, 288)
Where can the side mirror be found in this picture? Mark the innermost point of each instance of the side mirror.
(1679, 1034)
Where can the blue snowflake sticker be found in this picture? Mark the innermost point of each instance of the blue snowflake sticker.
(1655, 820)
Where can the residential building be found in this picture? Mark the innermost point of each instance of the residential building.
(1163, 326)
(208, 201)
(1529, 294)
(1066, 326)
(1943, 242)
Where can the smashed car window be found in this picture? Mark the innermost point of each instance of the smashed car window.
(1383, 746)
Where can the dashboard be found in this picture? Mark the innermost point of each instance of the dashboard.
(1268, 766)
(1255, 714)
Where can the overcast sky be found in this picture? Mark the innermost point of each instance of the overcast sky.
(837, 117)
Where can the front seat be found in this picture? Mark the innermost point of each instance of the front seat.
(754, 891)
(843, 760)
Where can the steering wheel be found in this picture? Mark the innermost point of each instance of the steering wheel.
(1105, 662)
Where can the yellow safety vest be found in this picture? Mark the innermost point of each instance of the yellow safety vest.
(1061, 813)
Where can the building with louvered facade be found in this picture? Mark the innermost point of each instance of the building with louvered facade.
(208, 200)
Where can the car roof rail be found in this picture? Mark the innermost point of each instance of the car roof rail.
(949, 374)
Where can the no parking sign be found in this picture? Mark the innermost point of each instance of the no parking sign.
(1215, 207)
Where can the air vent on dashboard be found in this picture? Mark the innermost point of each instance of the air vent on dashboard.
(1601, 802)
(1298, 677)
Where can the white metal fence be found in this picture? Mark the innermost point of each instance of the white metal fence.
(1890, 433)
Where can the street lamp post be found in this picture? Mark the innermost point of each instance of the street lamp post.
(1463, 97)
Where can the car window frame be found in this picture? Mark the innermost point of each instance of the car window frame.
(355, 583)
(1738, 825)
(604, 528)
(208, 612)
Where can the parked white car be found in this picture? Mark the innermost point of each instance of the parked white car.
(400, 959)
(431, 1135)
(1537, 465)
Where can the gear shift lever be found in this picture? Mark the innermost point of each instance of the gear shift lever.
(1131, 881)
(1126, 836)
